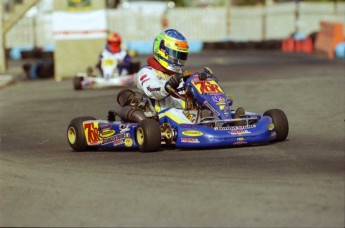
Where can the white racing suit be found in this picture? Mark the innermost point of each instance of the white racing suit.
(114, 63)
(151, 82)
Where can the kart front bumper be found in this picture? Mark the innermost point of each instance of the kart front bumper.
(197, 136)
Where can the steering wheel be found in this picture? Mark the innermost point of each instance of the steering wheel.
(203, 75)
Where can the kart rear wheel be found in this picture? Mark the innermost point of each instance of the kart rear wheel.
(281, 124)
(148, 135)
(76, 136)
(77, 83)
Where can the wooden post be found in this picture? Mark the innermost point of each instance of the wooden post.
(228, 4)
(3, 67)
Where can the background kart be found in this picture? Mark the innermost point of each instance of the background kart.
(214, 124)
(87, 80)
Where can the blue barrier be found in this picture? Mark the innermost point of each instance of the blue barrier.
(16, 52)
(340, 50)
(145, 47)
(140, 47)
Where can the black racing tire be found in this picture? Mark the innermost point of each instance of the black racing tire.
(77, 83)
(148, 135)
(280, 122)
(76, 136)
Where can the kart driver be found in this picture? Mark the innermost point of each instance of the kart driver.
(164, 70)
(113, 54)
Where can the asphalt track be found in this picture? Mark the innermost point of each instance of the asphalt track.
(295, 183)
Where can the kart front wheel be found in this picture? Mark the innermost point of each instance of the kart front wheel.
(76, 136)
(281, 124)
(148, 135)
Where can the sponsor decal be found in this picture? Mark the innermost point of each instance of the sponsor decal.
(239, 132)
(79, 5)
(273, 134)
(239, 143)
(232, 128)
(208, 87)
(153, 89)
(240, 139)
(196, 78)
(91, 133)
(190, 140)
(190, 126)
(102, 127)
(218, 98)
(109, 62)
(142, 83)
(211, 108)
(271, 127)
(128, 142)
(143, 77)
(115, 139)
(192, 133)
(124, 128)
(106, 133)
(160, 75)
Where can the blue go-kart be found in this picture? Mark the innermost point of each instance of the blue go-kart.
(135, 125)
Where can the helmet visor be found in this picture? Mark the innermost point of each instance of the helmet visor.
(177, 54)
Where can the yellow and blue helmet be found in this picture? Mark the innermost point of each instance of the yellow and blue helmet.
(170, 49)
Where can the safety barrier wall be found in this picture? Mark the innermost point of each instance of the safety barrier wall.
(247, 23)
(311, 14)
(134, 26)
(280, 21)
(203, 24)
(207, 24)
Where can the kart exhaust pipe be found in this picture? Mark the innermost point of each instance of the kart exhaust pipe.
(130, 114)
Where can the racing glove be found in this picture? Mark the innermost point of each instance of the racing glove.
(173, 82)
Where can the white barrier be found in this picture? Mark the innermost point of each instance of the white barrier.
(205, 24)
(202, 24)
(134, 26)
(280, 20)
(312, 13)
(246, 23)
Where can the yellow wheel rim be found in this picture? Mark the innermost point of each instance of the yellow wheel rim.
(72, 135)
(140, 136)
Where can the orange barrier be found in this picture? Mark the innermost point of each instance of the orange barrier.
(308, 46)
(329, 36)
(299, 45)
(288, 45)
(305, 45)
(291, 45)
